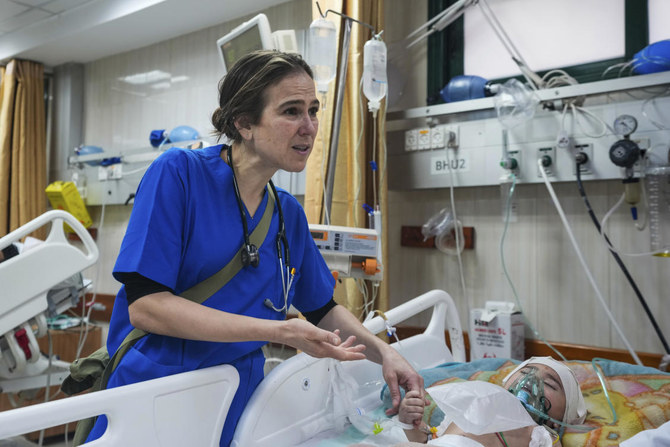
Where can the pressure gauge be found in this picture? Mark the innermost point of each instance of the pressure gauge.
(625, 125)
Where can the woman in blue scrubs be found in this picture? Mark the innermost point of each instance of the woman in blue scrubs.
(192, 213)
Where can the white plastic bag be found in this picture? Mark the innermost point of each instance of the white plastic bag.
(480, 407)
(342, 392)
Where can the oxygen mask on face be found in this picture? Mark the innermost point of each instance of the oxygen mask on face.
(529, 389)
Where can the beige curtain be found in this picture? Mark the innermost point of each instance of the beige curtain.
(22, 144)
(355, 183)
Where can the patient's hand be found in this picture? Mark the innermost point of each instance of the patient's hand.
(399, 373)
(411, 408)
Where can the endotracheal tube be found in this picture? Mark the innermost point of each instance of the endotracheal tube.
(375, 83)
(322, 53)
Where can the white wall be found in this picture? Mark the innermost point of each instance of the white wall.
(554, 292)
(119, 116)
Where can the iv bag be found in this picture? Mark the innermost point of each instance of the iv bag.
(374, 72)
(321, 52)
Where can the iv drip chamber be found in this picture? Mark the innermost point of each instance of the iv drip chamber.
(374, 72)
(322, 52)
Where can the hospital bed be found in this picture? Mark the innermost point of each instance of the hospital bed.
(293, 403)
(296, 403)
(40, 282)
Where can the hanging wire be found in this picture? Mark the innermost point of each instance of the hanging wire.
(619, 262)
(582, 261)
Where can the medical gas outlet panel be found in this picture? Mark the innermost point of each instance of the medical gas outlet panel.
(476, 151)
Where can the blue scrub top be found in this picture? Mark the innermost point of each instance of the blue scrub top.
(184, 227)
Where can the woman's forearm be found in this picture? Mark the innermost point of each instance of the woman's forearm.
(340, 318)
(166, 314)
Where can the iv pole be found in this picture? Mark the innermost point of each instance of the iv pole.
(337, 117)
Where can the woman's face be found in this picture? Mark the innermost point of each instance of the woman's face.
(284, 136)
(553, 388)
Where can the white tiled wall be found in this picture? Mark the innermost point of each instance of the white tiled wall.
(552, 287)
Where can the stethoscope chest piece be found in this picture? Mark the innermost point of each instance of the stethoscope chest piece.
(250, 256)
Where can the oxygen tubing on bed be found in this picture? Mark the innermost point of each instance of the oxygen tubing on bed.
(617, 258)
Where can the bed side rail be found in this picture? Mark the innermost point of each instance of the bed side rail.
(290, 405)
(179, 410)
(27, 277)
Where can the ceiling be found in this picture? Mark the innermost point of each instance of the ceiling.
(58, 31)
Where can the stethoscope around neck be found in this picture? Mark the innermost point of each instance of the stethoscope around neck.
(250, 255)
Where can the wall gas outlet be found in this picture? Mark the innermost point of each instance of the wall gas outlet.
(586, 168)
(548, 155)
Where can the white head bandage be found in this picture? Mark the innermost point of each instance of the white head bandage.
(575, 407)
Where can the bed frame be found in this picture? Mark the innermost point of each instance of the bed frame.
(190, 408)
(25, 281)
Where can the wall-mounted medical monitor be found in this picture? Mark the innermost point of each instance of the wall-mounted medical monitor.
(253, 34)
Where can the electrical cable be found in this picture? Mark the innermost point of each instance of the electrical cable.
(620, 263)
(564, 219)
(508, 207)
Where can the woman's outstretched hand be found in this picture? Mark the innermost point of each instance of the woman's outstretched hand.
(319, 343)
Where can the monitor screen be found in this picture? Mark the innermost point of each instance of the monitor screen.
(244, 43)
(252, 35)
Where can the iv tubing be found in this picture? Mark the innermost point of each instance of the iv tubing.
(458, 231)
(356, 150)
(618, 260)
(508, 206)
(583, 262)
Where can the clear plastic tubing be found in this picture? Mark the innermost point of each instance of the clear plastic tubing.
(374, 72)
(658, 190)
(322, 52)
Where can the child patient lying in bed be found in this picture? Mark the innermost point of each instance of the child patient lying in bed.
(538, 397)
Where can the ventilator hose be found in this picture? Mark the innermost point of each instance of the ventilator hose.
(618, 260)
